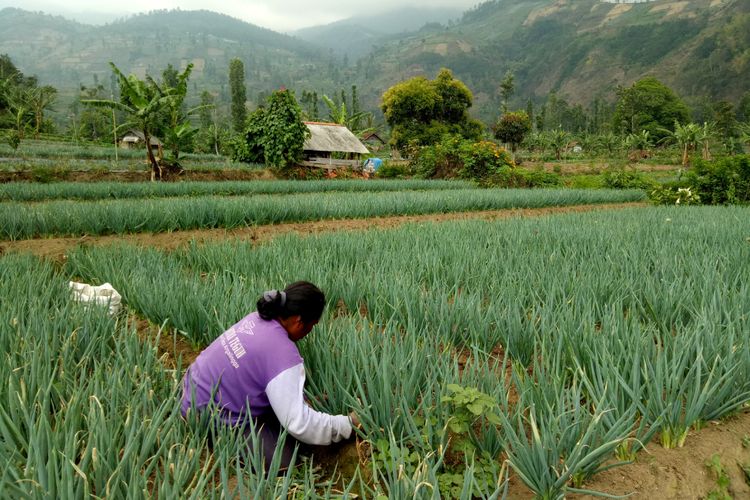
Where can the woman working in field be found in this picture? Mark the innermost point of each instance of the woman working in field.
(256, 365)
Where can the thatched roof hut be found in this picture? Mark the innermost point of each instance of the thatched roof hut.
(328, 138)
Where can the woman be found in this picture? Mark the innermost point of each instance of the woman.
(256, 365)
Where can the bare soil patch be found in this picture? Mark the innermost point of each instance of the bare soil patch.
(55, 248)
(682, 473)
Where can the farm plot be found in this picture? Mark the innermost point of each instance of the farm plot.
(27, 191)
(75, 218)
(557, 346)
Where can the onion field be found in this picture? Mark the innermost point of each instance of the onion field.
(547, 349)
(27, 191)
(77, 218)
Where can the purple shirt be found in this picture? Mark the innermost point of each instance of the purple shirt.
(239, 364)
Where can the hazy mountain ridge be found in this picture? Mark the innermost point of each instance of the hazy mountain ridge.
(583, 49)
(65, 53)
(355, 36)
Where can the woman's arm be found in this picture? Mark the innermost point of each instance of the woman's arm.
(286, 394)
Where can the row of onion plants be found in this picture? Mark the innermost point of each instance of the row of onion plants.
(73, 218)
(28, 191)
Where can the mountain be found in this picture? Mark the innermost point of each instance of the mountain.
(581, 50)
(66, 54)
(355, 36)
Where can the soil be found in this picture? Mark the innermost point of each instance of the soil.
(682, 473)
(55, 248)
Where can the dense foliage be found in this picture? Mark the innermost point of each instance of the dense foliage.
(275, 134)
(457, 157)
(512, 128)
(421, 111)
(649, 105)
(722, 181)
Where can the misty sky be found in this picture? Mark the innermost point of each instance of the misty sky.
(279, 15)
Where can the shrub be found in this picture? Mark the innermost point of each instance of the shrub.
(722, 181)
(390, 170)
(666, 195)
(455, 157)
(626, 179)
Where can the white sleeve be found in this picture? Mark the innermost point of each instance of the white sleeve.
(285, 393)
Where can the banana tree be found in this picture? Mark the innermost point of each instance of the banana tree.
(41, 99)
(339, 114)
(179, 132)
(144, 104)
(706, 133)
(686, 138)
(558, 140)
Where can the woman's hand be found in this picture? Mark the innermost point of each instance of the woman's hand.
(355, 420)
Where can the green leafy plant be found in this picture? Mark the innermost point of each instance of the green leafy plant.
(721, 491)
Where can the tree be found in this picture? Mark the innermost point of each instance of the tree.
(144, 103)
(178, 132)
(507, 87)
(421, 111)
(93, 123)
(648, 105)
(558, 140)
(275, 133)
(339, 114)
(512, 128)
(239, 94)
(743, 108)
(41, 99)
(686, 138)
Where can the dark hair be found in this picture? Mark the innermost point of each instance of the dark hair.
(300, 298)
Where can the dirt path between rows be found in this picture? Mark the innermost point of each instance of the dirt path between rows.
(55, 248)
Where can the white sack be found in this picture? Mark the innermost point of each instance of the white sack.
(103, 295)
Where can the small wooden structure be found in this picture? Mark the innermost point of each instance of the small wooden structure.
(328, 141)
(135, 139)
(373, 141)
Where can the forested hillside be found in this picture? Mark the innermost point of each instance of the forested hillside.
(580, 51)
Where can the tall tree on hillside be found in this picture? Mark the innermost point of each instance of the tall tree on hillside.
(421, 111)
(649, 105)
(41, 99)
(512, 128)
(275, 133)
(507, 88)
(239, 94)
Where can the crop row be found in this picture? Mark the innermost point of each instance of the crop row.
(26, 191)
(73, 218)
(615, 327)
